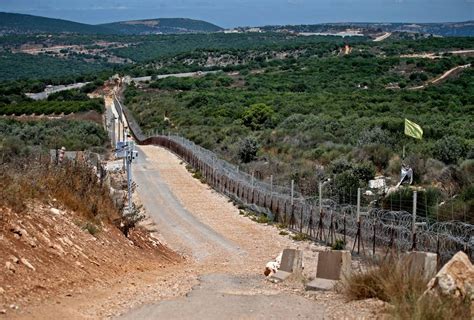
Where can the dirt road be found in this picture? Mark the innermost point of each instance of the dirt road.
(383, 37)
(226, 252)
(442, 77)
(180, 228)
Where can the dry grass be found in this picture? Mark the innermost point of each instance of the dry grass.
(74, 185)
(392, 281)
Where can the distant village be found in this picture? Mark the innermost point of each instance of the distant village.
(343, 33)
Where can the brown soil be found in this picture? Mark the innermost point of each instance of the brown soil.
(48, 252)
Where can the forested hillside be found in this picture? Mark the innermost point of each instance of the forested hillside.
(301, 108)
(163, 25)
(325, 114)
(15, 23)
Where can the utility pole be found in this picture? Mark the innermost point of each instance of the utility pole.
(112, 123)
(130, 155)
(128, 161)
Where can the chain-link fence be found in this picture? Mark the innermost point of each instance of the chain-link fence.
(356, 220)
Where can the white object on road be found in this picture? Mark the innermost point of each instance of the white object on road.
(273, 266)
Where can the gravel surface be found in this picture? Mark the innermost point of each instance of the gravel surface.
(226, 253)
(221, 275)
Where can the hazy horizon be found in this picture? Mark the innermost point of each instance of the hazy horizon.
(233, 13)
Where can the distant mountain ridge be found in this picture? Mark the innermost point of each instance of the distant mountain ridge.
(163, 25)
(15, 23)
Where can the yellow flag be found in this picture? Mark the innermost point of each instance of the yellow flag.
(413, 130)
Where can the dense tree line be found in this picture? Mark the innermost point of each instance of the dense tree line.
(22, 137)
(295, 115)
(52, 107)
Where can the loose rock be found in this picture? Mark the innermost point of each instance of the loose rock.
(55, 211)
(9, 266)
(455, 278)
(27, 264)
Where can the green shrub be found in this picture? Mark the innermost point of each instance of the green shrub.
(376, 136)
(300, 237)
(338, 245)
(258, 116)
(262, 219)
(379, 155)
(248, 149)
(91, 228)
(450, 149)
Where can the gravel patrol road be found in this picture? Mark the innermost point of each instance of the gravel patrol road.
(226, 253)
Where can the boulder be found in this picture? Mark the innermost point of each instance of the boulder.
(455, 278)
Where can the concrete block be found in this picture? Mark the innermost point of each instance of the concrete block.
(280, 276)
(422, 263)
(332, 265)
(291, 261)
(291, 264)
(319, 284)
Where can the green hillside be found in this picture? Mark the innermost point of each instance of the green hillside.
(15, 23)
(165, 25)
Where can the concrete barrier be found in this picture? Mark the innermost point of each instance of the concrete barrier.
(421, 263)
(332, 266)
(291, 264)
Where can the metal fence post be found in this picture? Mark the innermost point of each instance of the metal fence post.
(358, 237)
(358, 205)
(292, 190)
(271, 186)
(413, 225)
(320, 198)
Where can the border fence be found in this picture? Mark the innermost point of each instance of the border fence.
(360, 224)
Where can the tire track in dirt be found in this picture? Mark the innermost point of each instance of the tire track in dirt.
(189, 235)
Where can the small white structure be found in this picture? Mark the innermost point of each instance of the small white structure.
(378, 183)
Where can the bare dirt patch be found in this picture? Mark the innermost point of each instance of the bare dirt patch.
(48, 251)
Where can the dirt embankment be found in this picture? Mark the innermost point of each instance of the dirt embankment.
(48, 251)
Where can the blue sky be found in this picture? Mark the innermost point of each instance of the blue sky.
(229, 13)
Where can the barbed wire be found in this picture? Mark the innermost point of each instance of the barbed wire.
(325, 221)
